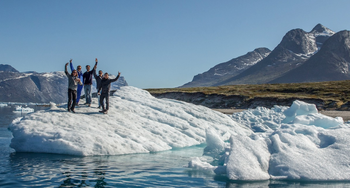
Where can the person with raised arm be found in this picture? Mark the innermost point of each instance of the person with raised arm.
(73, 82)
(98, 79)
(80, 76)
(105, 88)
(87, 80)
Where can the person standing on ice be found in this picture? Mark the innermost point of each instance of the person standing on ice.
(104, 88)
(87, 80)
(80, 76)
(98, 79)
(73, 82)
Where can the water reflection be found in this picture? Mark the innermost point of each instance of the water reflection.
(140, 170)
(144, 170)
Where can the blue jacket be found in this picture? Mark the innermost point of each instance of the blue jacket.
(80, 73)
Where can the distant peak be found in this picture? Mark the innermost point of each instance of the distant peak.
(319, 28)
(7, 68)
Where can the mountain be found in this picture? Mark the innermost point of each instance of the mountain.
(37, 87)
(331, 63)
(33, 87)
(296, 47)
(7, 68)
(265, 66)
(229, 69)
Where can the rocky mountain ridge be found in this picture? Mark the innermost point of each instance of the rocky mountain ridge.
(229, 69)
(296, 47)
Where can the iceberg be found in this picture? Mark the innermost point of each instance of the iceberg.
(136, 122)
(310, 147)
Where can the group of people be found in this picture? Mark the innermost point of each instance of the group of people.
(77, 81)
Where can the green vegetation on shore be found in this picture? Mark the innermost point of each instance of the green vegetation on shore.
(335, 92)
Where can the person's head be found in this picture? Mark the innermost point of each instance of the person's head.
(100, 73)
(74, 73)
(105, 75)
(88, 68)
(79, 68)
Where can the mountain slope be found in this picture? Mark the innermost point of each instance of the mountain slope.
(228, 69)
(331, 63)
(7, 68)
(296, 47)
(38, 87)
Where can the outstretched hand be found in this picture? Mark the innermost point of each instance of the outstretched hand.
(67, 64)
(118, 73)
(96, 60)
(70, 60)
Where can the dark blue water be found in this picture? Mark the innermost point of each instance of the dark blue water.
(161, 169)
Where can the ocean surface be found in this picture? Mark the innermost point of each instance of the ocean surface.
(160, 169)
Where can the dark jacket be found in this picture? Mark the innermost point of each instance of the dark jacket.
(98, 79)
(106, 85)
(87, 76)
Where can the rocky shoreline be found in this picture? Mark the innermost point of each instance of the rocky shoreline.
(219, 101)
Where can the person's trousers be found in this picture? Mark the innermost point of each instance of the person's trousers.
(99, 96)
(80, 87)
(72, 98)
(102, 97)
(87, 90)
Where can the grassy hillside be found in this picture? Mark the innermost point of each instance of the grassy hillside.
(337, 92)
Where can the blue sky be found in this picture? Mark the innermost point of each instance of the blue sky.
(153, 43)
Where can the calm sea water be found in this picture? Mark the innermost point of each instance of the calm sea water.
(161, 169)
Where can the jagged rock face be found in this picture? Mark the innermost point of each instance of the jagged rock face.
(37, 87)
(299, 42)
(228, 69)
(329, 64)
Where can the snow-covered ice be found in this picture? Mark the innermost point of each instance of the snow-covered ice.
(21, 109)
(295, 143)
(3, 105)
(136, 122)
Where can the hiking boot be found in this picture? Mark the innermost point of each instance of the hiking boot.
(68, 110)
(73, 111)
(102, 111)
(105, 112)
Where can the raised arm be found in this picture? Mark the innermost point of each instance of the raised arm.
(115, 79)
(95, 75)
(65, 69)
(71, 65)
(94, 69)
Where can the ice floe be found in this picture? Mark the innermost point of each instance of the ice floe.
(295, 143)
